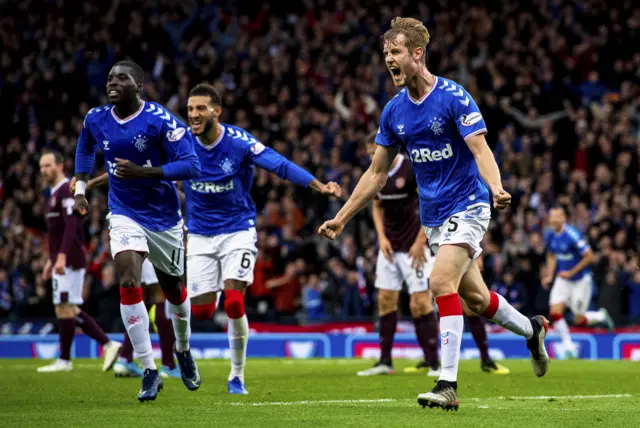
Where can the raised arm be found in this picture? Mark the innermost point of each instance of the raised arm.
(367, 188)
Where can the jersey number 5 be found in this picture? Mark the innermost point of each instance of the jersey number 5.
(453, 224)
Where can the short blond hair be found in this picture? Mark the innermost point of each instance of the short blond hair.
(414, 31)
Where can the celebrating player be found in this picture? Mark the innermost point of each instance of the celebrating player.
(221, 218)
(152, 296)
(442, 129)
(404, 257)
(145, 149)
(569, 258)
(66, 268)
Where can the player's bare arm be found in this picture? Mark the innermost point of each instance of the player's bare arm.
(551, 268)
(378, 222)
(588, 258)
(369, 185)
(489, 171)
(81, 205)
(417, 250)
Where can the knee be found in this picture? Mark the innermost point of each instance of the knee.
(440, 284)
(579, 319)
(128, 280)
(387, 302)
(234, 303)
(203, 312)
(65, 311)
(420, 304)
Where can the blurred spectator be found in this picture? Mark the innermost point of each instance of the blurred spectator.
(557, 83)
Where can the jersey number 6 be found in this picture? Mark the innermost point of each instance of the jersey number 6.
(246, 261)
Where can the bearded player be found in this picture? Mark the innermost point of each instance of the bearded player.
(146, 149)
(66, 268)
(405, 257)
(221, 218)
(441, 128)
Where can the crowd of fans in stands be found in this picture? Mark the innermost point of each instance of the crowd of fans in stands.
(556, 81)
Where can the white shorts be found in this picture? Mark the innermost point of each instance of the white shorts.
(466, 227)
(148, 276)
(67, 288)
(213, 259)
(576, 295)
(165, 248)
(391, 275)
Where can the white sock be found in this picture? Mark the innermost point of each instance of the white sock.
(181, 320)
(594, 317)
(563, 330)
(238, 333)
(136, 321)
(451, 328)
(510, 318)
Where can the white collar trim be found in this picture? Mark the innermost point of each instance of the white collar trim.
(130, 118)
(421, 100)
(215, 143)
(55, 188)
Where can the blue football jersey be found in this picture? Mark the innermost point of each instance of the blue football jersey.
(151, 137)
(568, 246)
(219, 201)
(433, 131)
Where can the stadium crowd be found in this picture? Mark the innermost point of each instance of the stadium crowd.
(557, 82)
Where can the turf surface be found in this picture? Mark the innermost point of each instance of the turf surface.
(324, 393)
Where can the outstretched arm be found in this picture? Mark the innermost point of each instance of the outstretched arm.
(367, 188)
(272, 161)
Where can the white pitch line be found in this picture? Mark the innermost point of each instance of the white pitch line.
(554, 397)
(393, 400)
(308, 402)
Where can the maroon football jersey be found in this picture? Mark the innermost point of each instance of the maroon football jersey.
(65, 228)
(399, 200)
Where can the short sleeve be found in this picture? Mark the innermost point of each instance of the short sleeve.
(385, 136)
(467, 116)
(578, 241)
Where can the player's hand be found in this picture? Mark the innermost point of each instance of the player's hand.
(329, 189)
(501, 200)
(46, 271)
(331, 229)
(417, 256)
(564, 274)
(546, 281)
(385, 248)
(128, 170)
(72, 185)
(81, 206)
(61, 264)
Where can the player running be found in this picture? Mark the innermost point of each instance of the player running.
(153, 298)
(442, 130)
(145, 150)
(569, 258)
(405, 257)
(221, 218)
(66, 268)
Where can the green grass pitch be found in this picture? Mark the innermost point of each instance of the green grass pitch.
(324, 393)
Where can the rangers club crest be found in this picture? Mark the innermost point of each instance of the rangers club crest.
(436, 125)
(227, 166)
(140, 142)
